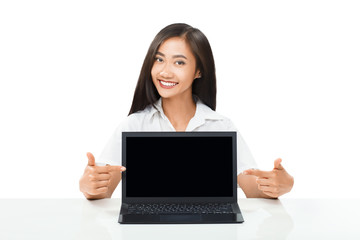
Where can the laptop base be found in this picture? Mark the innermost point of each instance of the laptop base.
(181, 218)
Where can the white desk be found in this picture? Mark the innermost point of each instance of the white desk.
(264, 219)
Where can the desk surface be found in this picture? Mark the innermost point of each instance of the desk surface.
(264, 219)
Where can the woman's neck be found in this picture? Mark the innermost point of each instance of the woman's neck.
(179, 111)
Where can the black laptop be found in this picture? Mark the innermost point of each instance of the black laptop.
(179, 177)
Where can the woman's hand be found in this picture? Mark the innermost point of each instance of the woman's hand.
(273, 183)
(99, 181)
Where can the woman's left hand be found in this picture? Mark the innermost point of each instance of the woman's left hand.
(273, 183)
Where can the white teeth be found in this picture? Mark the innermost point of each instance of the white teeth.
(168, 84)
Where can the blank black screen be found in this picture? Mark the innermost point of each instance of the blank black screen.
(179, 166)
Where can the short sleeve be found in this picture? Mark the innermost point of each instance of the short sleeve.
(112, 150)
(111, 153)
(245, 160)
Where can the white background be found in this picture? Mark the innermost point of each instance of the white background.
(288, 76)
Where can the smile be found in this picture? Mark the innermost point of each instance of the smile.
(167, 84)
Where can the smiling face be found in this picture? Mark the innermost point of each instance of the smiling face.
(174, 69)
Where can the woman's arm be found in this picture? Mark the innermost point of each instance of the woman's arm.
(266, 184)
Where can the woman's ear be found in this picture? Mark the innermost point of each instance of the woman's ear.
(198, 74)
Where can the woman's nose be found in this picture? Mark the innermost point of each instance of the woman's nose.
(166, 72)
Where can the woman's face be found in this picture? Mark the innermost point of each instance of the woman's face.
(174, 69)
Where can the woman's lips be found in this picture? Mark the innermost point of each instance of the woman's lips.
(167, 84)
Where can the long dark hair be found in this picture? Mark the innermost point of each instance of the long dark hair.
(204, 88)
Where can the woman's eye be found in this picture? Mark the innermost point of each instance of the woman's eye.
(180, 62)
(157, 59)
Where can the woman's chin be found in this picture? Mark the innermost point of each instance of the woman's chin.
(166, 93)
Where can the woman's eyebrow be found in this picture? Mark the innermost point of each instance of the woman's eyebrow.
(174, 56)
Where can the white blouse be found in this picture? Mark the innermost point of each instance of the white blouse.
(152, 118)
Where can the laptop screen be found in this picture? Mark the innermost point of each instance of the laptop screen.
(174, 164)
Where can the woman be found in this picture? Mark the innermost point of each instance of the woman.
(176, 91)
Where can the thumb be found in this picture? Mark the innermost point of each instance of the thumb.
(277, 164)
(91, 159)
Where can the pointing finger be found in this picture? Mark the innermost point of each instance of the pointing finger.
(109, 168)
(116, 168)
(258, 173)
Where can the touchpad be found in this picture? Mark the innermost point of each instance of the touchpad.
(180, 218)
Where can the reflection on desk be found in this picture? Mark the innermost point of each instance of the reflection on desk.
(264, 219)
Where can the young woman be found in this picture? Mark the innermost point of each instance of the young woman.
(176, 91)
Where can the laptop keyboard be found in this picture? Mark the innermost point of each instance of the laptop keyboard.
(175, 208)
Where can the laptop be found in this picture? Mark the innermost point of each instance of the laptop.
(179, 177)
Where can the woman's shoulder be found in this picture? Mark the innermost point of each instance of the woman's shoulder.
(135, 120)
(214, 119)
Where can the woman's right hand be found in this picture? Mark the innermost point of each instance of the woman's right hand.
(99, 181)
